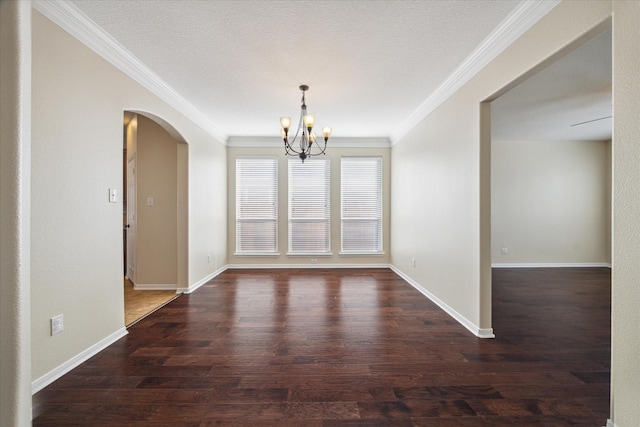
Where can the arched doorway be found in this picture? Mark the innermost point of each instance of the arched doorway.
(154, 214)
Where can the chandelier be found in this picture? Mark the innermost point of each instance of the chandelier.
(307, 138)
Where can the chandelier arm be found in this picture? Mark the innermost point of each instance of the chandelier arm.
(320, 149)
(287, 150)
(289, 145)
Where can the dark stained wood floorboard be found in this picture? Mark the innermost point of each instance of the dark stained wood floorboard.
(350, 348)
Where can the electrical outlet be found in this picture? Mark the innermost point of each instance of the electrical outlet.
(413, 262)
(209, 258)
(57, 324)
(314, 261)
(504, 251)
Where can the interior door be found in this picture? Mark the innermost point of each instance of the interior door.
(131, 219)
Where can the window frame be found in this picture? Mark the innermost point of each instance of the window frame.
(379, 208)
(274, 251)
(292, 220)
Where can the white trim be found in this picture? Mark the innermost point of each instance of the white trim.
(152, 287)
(76, 361)
(322, 266)
(517, 23)
(479, 332)
(337, 142)
(610, 423)
(362, 254)
(257, 254)
(202, 281)
(76, 23)
(309, 254)
(550, 264)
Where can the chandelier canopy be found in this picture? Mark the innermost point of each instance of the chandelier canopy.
(304, 135)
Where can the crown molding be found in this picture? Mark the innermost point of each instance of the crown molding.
(76, 23)
(517, 23)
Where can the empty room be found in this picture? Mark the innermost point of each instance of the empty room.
(389, 213)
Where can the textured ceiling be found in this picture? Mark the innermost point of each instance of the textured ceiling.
(370, 65)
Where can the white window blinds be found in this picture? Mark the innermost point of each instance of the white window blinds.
(361, 203)
(309, 225)
(256, 205)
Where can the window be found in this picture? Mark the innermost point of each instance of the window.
(257, 205)
(309, 207)
(361, 203)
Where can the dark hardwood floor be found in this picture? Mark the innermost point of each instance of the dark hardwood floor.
(350, 348)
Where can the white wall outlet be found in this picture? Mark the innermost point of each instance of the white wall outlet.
(57, 324)
(209, 258)
(113, 195)
(314, 261)
(150, 201)
(504, 251)
(413, 262)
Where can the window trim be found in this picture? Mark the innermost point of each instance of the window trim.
(270, 253)
(328, 252)
(380, 219)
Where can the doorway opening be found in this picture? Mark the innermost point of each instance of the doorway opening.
(546, 177)
(546, 168)
(153, 221)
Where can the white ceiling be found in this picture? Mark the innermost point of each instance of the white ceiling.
(371, 65)
(569, 100)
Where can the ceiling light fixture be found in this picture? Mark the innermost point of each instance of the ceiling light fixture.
(308, 139)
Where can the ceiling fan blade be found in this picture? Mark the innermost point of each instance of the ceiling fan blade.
(589, 121)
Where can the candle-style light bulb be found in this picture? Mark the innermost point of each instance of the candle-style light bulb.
(326, 132)
(308, 121)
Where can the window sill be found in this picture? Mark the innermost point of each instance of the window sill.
(257, 254)
(307, 254)
(362, 253)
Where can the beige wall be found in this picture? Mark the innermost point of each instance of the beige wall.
(78, 105)
(550, 202)
(157, 224)
(334, 153)
(625, 339)
(15, 265)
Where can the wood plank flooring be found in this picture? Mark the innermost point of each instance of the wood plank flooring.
(350, 348)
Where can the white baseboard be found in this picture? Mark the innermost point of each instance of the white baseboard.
(75, 361)
(152, 287)
(479, 332)
(610, 423)
(202, 281)
(289, 266)
(549, 264)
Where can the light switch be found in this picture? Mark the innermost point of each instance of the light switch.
(149, 201)
(113, 195)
